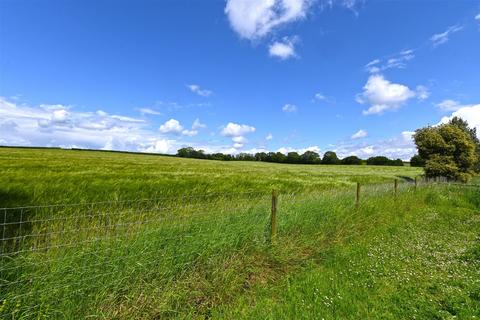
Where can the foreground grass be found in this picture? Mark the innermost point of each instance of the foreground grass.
(413, 256)
(36, 176)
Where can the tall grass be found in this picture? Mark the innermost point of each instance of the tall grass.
(208, 258)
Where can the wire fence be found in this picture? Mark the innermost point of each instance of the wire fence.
(75, 257)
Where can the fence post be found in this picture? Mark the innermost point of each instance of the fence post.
(357, 198)
(416, 183)
(395, 186)
(273, 216)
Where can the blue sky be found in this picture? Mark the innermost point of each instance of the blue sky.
(356, 77)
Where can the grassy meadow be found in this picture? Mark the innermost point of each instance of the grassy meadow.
(194, 241)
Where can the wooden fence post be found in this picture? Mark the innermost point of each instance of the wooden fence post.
(416, 183)
(357, 198)
(273, 216)
(395, 186)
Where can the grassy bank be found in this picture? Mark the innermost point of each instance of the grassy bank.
(413, 256)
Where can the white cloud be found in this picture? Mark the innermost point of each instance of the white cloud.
(286, 150)
(396, 61)
(441, 38)
(171, 126)
(253, 19)
(236, 130)
(319, 97)
(269, 137)
(61, 126)
(401, 146)
(477, 17)
(160, 146)
(239, 139)
(359, 134)
(189, 133)
(471, 114)
(383, 95)
(448, 105)
(289, 108)
(195, 88)
(198, 125)
(282, 50)
(238, 145)
(422, 92)
(149, 111)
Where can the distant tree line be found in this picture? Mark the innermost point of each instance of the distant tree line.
(308, 157)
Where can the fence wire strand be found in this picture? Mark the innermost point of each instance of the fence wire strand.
(97, 241)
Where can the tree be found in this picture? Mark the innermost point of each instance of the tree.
(330, 157)
(310, 157)
(448, 150)
(293, 157)
(352, 160)
(417, 161)
(462, 124)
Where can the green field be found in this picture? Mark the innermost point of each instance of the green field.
(199, 245)
(36, 176)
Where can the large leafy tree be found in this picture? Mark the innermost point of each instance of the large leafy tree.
(330, 157)
(448, 150)
(462, 124)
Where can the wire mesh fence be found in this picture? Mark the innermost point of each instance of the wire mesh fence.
(77, 256)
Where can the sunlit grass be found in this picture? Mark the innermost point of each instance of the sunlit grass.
(208, 253)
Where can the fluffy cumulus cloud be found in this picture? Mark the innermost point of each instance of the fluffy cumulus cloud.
(289, 108)
(469, 113)
(195, 88)
(237, 132)
(382, 95)
(253, 19)
(284, 49)
(444, 37)
(171, 126)
(359, 134)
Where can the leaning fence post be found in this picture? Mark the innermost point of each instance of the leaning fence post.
(395, 186)
(273, 216)
(357, 198)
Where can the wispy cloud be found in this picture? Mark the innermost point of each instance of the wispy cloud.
(195, 88)
(444, 37)
(289, 108)
(359, 134)
(396, 61)
(451, 105)
(149, 111)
